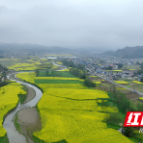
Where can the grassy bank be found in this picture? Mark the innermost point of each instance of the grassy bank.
(8, 102)
(4, 139)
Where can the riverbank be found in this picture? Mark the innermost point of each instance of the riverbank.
(24, 131)
(9, 100)
(30, 94)
(27, 120)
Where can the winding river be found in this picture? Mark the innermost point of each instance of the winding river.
(13, 135)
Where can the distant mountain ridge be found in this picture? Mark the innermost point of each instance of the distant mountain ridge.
(32, 49)
(18, 50)
(21, 50)
(127, 52)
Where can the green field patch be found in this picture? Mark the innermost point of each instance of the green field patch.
(42, 73)
(39, 81)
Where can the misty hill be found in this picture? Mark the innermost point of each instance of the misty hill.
(17, 50)
(108, 53)
(1, 54)
(127, 52)
(27, 47)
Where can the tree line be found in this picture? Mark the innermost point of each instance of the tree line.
(123, 104)
(3, 71)
(82, 74)
(79, 71)
(70, 63)
(53, 73)
(49, 73)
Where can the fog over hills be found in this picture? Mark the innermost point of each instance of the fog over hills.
(72, 23)
(127, 52)
(14, 49)
(33, 49)
(28, 49)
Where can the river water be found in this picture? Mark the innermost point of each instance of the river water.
(12, 133)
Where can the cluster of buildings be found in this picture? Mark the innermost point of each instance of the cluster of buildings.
(115, 74)
(108, 66)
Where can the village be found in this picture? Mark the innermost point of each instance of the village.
(111, 68)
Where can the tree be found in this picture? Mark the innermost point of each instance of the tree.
(114, 118)
(52, 73)
(4, 75)
(114, 89)
(68, 63)
(139, 71)
(128, 131)
(37, 72)
(81, 66)
(138, 63)
(101, 61)
(109, 68)
(88, 83)
(141, 79)
(141, 66)
(120, 65)
(47, 72)
(77, 72)
(140, 107)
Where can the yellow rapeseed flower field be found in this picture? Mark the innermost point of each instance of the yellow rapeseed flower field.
(59, 78)
(107, 109)
(121, 82)
(117, 70)
(60, 63)
(55, 66)
(74, 120)
(32, 65)
(27, 76)
(8, 100)
(71, 113)
(93, 76)
(141, 98)
(75, 86)
(137, 82)
(97, 82)
(76, 93)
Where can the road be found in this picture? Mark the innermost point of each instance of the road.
(139, 93)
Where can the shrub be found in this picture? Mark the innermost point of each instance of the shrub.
(88, 83)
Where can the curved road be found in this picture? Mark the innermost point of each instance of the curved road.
(139, 93)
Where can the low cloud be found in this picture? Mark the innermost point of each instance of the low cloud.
(78, 24)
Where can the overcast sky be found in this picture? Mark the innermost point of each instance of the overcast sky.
(109, 24)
